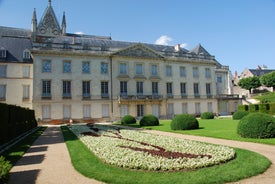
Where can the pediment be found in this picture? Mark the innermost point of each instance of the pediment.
(138, 51)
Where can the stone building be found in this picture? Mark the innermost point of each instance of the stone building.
(76, 76)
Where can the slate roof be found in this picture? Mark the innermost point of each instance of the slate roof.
(14, 44)
(259, 73)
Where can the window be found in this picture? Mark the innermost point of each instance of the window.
(219, 79)
(168, 71)
(67, 66)
(46, 112)
(122, 68)
(85, 67)
(104, 68)
(169, 89)
(2, 92)
(196, 90)
(197, 108)
(46, 66)
(184, 108)
(139, 69)
(182, 71)
(26, 71)
(26, 54)
(104, 89)
(86, 111)
(170, 110)
(207, 73)
(86, 89)
(183, 89)
(3, 71)
(3, 52)
(140, 110)
(46, 88)
(26, 92)
(195, 72)
(123, 110)
(208, 89)
(155, 110)
(139, 88)
(67, 89)
(209, 107)
(123, 88)
(155, 89)
(66, 111)
(154, 70)
(105, 110)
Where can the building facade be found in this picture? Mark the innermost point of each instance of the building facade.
(76, 76)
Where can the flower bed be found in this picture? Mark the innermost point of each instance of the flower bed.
(137, 150)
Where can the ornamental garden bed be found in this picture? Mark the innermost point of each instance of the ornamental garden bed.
(132, 149)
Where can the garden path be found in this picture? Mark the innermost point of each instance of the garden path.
(47, 162)
(268, 177)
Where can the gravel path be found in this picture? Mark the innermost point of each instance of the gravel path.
(48, 160)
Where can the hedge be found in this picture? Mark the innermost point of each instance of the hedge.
(253, 108)
(14, 121)
(264, 108)
(243, 108)
(268, 108)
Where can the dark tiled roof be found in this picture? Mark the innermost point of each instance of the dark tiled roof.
(200, 50)
(16, 32)
(14, 47)
(259, 73)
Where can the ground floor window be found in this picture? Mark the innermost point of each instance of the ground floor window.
(123, 110)
(105, 110)
(197, 108)
(170, 110)
(86, 111)
(66, 111)
(140, 110)
(155, 110)
(209, 107)
(46, 112)
(184, 108)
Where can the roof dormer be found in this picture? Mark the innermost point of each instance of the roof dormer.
(3, 53)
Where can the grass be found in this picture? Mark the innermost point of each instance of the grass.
(218, 128)
(18, 150)
(245, 165)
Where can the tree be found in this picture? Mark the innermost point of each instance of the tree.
(268, 80)
(250, 83)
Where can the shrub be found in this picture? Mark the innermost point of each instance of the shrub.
(264, 108)
(253, 108)
(5, 167)
(207, 115)
(239, 114)
(243, 108)
(149, 120)
(257, 125)
(184, 122)
(272, 108)
(128, 119)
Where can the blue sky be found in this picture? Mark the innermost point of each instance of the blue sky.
(239, 33)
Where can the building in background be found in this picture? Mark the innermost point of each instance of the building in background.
(74, 76)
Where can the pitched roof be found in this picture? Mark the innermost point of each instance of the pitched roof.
(200, 50)
(259, 73)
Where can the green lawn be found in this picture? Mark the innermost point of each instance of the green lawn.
(218, 128)
(246, 164)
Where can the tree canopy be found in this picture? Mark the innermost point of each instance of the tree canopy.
(268, 80)
(250, 83)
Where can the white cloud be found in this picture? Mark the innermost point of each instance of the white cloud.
(163, 40)
(79, 32)
(183, 45)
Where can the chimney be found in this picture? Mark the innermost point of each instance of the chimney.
(177, 47)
